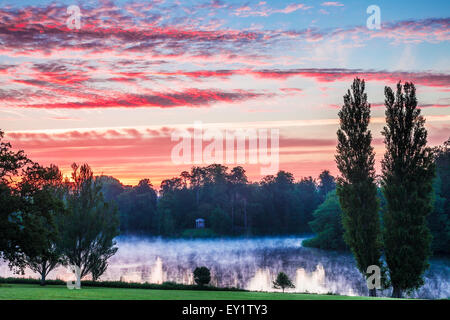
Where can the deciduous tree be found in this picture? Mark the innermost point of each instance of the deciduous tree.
(282, 282)
(42, 210)
(90, 226)
(10, 202)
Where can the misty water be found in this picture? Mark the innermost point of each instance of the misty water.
(250, 263)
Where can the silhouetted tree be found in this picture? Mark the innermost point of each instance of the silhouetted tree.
(327, 183)
(90, 226)
(356, 186)
(439, 219)
(408, 172)
(137, 206)
(282, 282)
(220, 222)
(308, 197)
(10, 202)
(237, 189)
(43, 208)
(202, 276)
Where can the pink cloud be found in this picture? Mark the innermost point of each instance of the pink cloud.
(170, 99)
(332, 4)
(328, 75)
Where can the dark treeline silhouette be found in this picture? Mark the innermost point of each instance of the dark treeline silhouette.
(228, 203)
(439, 219)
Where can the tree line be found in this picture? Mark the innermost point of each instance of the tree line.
(224, 198)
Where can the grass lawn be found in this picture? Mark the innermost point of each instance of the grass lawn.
(55, 292)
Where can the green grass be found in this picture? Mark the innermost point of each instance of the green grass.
(57, 292)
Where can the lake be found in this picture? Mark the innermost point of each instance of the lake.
(249, 263)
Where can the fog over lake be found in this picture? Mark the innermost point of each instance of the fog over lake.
(249, 263)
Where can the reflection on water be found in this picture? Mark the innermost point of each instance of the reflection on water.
(311, 282)
(247, 263)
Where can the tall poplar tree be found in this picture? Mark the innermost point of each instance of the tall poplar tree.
(356, 186)
(408, 171)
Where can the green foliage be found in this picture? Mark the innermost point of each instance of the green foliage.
(283, 206)
(356, 187)
(282, 282)
(136, 205)
(220, 221)
(439, 219)
(42, 193)
(198, 233)
(10, 202)
(226, 200)
(230, 205)
(408, 172)
(45, 222)
(327, 184)
(166, 225)
(10, 161)
(327, 225)
(90, 225)
(202, 276)
(121, 284)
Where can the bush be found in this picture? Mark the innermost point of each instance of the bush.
(119, 284)
(202, 276)
(283, 282)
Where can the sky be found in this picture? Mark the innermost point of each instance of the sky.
(113, 92)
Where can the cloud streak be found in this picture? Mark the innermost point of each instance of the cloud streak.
(188, 98)
(327, 75)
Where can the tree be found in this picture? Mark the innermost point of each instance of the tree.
(220, 222)
(356, 188)
(202, 276)
(137, 206)
(327, 184)
(196, 181)
(308, 199)
(166, 222)
(43, 208)
(10, 161)
(439, 219)
(237, 180)
(90, 226)
(408, 172)
(10, 202)
(282, 282)
(185, 176)
(327, 225)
